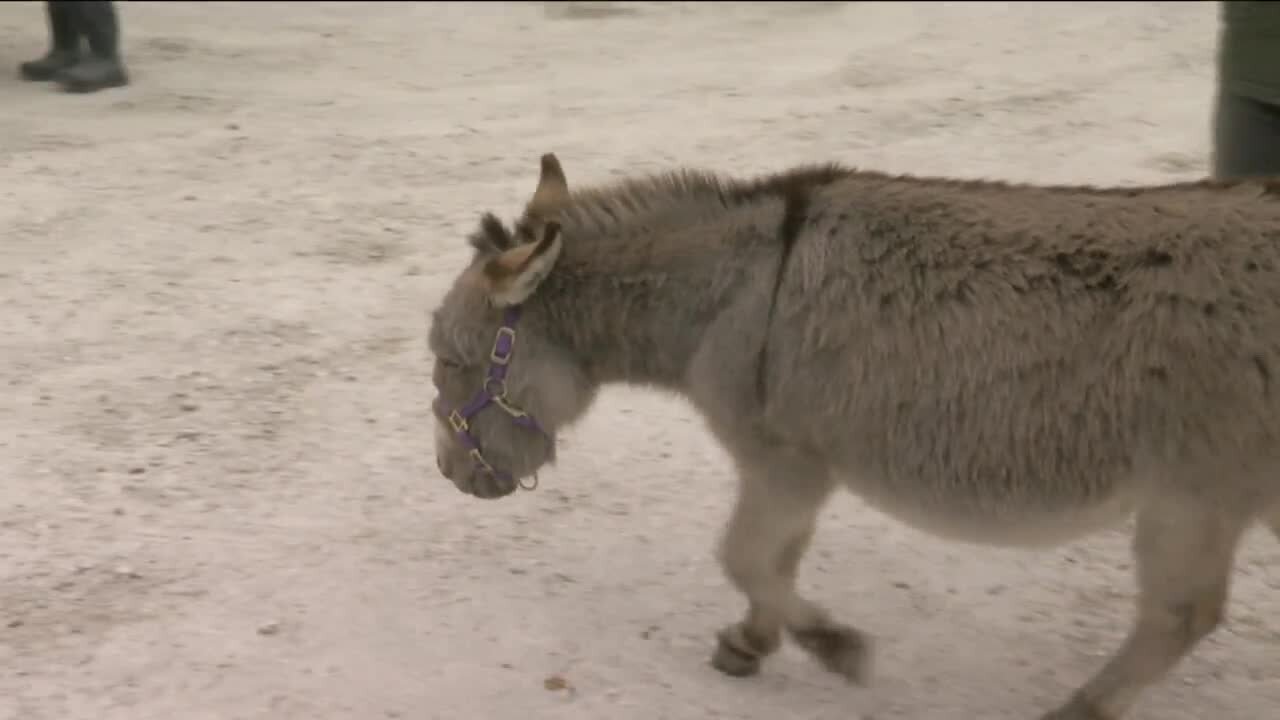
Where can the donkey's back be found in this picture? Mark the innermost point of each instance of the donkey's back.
(1025, 363)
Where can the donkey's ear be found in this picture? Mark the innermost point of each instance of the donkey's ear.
(512, 276)
(552, 193)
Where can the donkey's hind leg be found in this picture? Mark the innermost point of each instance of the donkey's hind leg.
(1184, 550)
(767, 536)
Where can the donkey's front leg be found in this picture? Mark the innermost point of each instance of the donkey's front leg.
(768, 534)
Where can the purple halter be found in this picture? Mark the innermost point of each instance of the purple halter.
(494, 392)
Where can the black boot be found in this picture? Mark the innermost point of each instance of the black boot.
(64, 50)
(102, 67)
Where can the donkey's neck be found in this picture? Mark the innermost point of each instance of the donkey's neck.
(649, 264)
(631, 311)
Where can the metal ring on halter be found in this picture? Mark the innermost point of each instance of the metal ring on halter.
(530, 483)
(496, 387)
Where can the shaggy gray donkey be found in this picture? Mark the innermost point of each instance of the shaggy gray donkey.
(993, 363)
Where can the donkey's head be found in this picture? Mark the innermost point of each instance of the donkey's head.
(503, 385)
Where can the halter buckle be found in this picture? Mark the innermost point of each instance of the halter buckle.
(510, 336)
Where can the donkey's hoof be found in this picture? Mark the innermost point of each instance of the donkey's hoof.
(1078, 708)
(733, 662)
(841, 649)
(735, 656)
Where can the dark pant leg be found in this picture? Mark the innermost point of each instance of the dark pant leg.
(63, 28)
(97, 22)
(1246, 137)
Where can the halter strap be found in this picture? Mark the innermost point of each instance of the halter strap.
(494, 392)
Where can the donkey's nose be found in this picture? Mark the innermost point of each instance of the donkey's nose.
(443, 466)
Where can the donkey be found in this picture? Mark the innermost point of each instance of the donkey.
(991, 362)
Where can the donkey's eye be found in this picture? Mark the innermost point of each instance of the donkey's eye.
(451, 364)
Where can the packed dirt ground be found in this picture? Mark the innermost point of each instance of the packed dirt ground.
(219, 499)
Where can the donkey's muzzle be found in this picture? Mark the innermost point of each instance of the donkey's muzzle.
(486, 486)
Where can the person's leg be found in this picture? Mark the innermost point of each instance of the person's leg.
(64, 45)
(102, 67)
(1246, 137)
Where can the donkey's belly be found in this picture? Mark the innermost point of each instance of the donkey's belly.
(962, 512)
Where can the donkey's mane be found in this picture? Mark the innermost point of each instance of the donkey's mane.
(686, 193)
(679, 193)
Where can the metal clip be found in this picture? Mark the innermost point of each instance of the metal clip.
(480, 462)
(512, 410)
